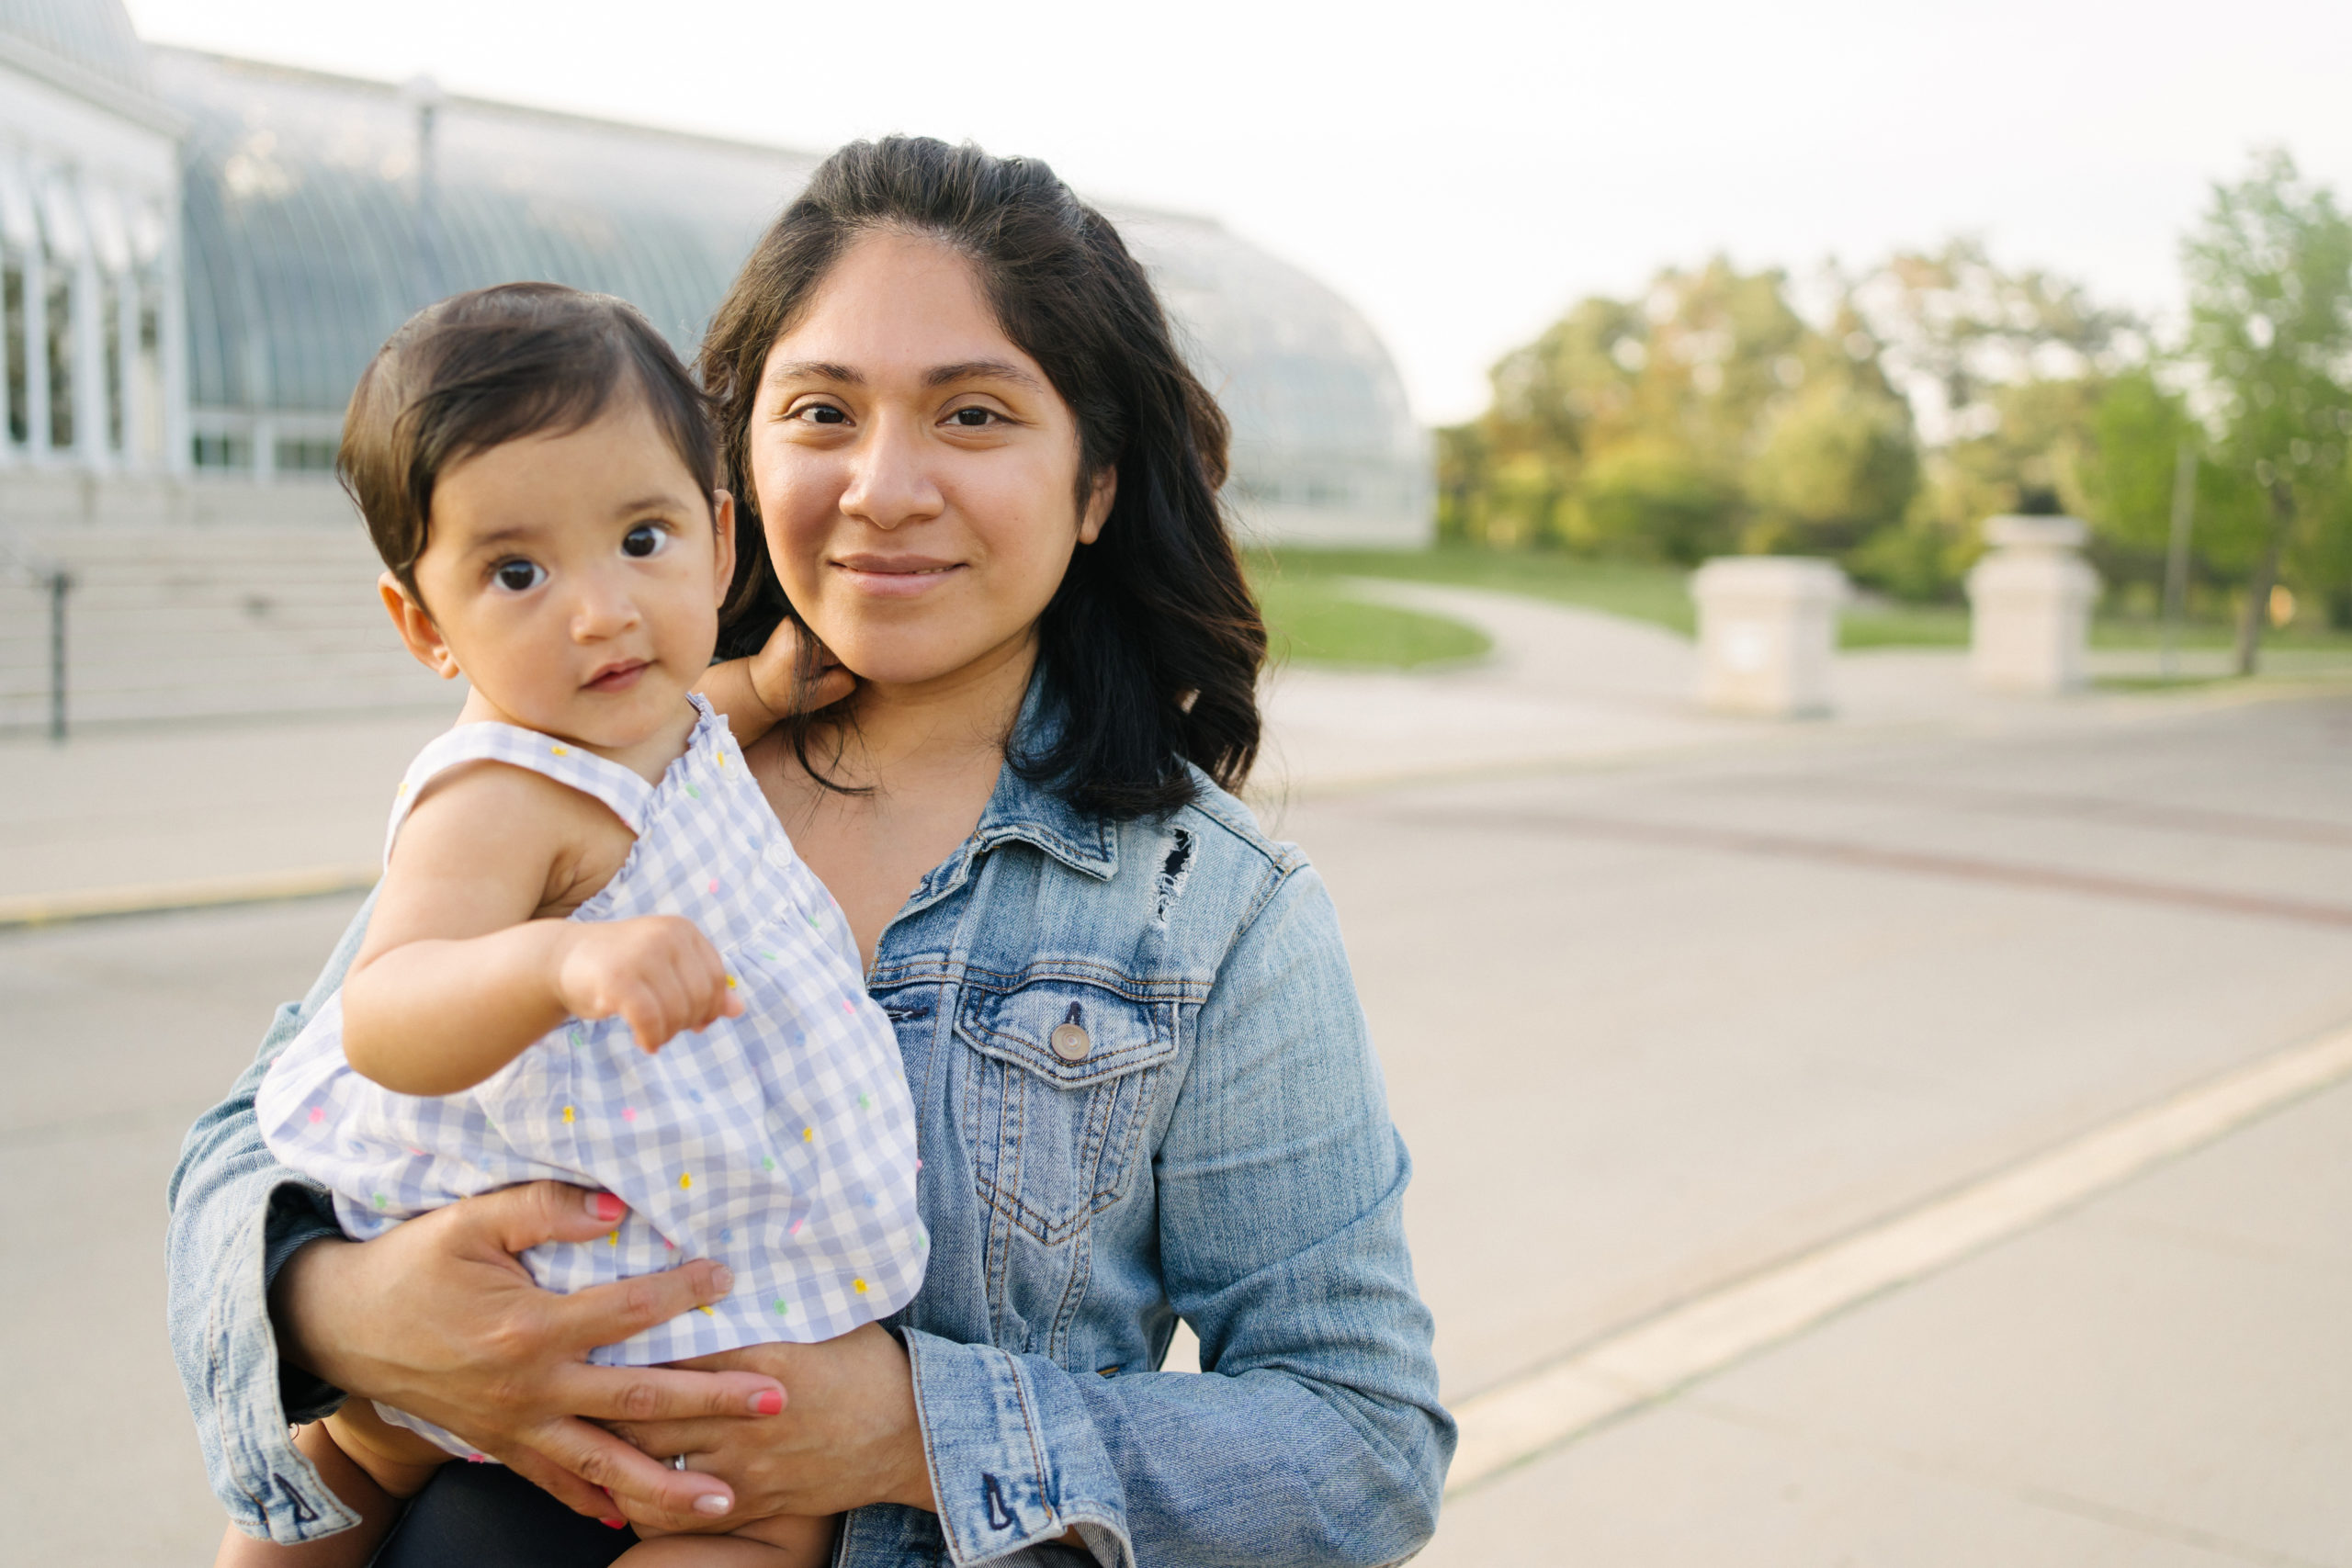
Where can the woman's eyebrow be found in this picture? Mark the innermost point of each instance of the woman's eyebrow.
(981, 370)
(815, 370)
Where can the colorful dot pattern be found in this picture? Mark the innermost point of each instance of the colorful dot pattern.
(782, 1142)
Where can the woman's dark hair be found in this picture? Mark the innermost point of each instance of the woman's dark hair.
(482, 368)
(1150, 649)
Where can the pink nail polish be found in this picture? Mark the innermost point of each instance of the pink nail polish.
(613, 1524)
(606, 1207)
(768, 1403)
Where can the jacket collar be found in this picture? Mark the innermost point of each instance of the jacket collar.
(1023, 812)
(1033, 814)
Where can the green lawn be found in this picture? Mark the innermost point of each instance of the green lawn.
(1312, 622)
(1660, 594)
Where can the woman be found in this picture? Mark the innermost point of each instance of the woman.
(984, 482)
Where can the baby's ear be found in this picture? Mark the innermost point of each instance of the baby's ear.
(416, 627)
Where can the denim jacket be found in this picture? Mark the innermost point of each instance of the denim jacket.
(1211, 1144)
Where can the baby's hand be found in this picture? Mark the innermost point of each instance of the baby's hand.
(659, 973)
(785, 686)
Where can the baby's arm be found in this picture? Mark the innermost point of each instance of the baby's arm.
(458, 976)
(755, 695)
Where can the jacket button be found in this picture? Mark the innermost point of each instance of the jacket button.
(1071, 1042)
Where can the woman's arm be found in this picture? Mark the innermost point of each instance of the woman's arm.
(1314, 1436)
(352, 1313)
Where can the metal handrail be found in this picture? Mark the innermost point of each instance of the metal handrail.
(40, 572)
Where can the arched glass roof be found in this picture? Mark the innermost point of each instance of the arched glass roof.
(306, 245)
(94, 35)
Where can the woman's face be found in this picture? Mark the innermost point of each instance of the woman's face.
(916, 473)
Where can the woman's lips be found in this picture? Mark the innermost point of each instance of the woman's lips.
(615, 678)
(895, 577)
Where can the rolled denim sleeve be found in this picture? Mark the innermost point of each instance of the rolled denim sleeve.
(236, 1216)
(1314, 1434)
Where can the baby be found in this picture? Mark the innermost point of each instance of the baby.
(593, 957)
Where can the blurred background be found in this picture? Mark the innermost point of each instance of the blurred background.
(1868, 1015)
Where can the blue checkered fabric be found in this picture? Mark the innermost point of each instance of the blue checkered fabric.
(782, 1143)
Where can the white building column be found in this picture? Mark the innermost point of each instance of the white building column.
(1768, 633)
(2029, 606)
(179, 453)
(89, 356)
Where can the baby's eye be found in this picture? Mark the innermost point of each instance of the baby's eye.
(518, 576)
(644, 540)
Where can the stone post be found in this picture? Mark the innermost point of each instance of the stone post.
(1768, 629)
(2029, 606)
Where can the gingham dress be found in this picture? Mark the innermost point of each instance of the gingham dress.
(782, 1143)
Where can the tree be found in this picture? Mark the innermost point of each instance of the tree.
(2003, 370)
(1706, 416)
(2270, 302)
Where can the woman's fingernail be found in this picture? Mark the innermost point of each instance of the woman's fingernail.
(613, 1524)
(714, 1504)
(722, 1279)
(767, 1402)
(605, 1206)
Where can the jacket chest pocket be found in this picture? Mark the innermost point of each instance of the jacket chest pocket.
(1056, 1096)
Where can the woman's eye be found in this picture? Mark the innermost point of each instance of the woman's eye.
(823, 414)
(973, 418)
(644, 540)
(518, 576)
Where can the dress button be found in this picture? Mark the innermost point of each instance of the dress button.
(1071, 1042)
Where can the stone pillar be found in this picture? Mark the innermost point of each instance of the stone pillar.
(1768, 630)
(2029, 606)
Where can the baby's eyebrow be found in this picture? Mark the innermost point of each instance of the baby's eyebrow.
(498, 537)
(653, 501)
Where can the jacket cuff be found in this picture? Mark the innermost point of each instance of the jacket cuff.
(298, 1214)
(1014, 1459)
(274, 1490)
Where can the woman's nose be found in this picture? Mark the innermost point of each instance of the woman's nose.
(889, 480)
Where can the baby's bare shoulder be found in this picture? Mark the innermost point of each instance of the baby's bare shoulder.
(487, 820)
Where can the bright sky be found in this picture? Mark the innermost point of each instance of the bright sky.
(1463, 170)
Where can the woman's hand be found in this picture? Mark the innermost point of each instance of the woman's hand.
(848, 1434)
(437, 1318)
(760, 692)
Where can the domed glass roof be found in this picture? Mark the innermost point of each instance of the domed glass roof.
(306, 242)
(95, 35)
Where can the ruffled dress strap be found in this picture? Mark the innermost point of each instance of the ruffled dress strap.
(622, 791)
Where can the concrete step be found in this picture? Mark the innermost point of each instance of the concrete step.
(177, 621)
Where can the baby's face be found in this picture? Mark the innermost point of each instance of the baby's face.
(575, 579)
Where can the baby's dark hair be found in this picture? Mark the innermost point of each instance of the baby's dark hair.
(492, 366)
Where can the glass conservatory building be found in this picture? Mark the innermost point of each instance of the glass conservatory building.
(199, 254)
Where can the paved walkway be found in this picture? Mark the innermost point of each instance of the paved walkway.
(2159, 1379)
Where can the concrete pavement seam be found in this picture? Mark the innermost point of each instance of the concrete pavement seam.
(1506, 1426)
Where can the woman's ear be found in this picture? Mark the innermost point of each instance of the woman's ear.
(416, 627)
(1099, 498)
(722, 519)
